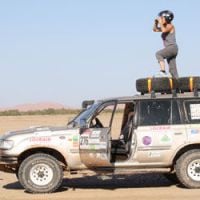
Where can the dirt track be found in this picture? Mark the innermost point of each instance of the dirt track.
(135, 187)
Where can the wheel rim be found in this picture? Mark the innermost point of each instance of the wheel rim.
(41, 174)
(194, 170)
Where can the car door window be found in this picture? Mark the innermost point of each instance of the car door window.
(155, 112)
(193, 110)
(104, 116)
(123, 115)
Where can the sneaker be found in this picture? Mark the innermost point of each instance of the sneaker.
(161, 74)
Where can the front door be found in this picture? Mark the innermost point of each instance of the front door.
(95, 141)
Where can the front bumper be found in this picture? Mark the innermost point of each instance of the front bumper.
(8, 160)
(8, 164)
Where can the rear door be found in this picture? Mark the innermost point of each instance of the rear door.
(95, 142)
(160, 131)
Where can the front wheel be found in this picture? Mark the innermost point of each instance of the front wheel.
(188, 169)
(40, 173)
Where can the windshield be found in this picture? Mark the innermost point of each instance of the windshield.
(81, 119)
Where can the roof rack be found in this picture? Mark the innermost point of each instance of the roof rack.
(174, 93)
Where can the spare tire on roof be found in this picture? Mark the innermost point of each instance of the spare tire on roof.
(189, 84)
(156, 84)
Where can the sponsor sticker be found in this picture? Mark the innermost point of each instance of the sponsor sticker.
(75, 138)
(95, 134)
(75, 141)
(160, 128)
(92, 147)
(195, 111)
(93, 141)
(40, 139)
(146, 140)
(195, 131)
(165, 139)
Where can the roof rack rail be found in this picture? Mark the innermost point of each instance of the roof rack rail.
(153, 94)
(174, 93)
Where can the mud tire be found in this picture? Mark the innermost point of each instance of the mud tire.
(161, 85)
(188, 175)
(184, 84)
(40, 173)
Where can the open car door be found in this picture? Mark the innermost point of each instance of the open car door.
(95, 141)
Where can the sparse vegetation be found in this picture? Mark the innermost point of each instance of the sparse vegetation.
(49, 111)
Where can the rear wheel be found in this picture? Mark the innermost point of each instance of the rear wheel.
(40, 173)
(188, 169)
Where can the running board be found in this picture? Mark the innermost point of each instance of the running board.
(117, 171)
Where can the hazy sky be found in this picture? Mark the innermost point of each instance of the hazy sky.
(69, 50)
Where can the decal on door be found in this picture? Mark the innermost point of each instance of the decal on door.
(146, 140)
(92, 140)
(165, 138)
(193, 134)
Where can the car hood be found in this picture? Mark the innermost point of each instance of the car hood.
(33, 130)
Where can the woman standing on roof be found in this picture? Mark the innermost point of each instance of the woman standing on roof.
(163, 24)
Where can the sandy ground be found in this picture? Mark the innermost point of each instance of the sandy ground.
(137, 187)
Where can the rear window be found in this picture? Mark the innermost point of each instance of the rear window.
(193, 111)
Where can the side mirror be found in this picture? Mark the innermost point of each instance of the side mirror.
(87, 103)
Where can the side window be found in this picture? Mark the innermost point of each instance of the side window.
(193, 111)
(155, 112)
(123, 114)
(176, 119)
(104, 116)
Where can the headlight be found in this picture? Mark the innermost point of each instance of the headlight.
(6, 144)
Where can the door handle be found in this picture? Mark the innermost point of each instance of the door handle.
(178, 133)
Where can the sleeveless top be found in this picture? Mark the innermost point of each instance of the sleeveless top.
(169, 38)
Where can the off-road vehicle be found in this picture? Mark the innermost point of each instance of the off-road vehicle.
(154, 132)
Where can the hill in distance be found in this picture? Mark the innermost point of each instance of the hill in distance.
(36, 106)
